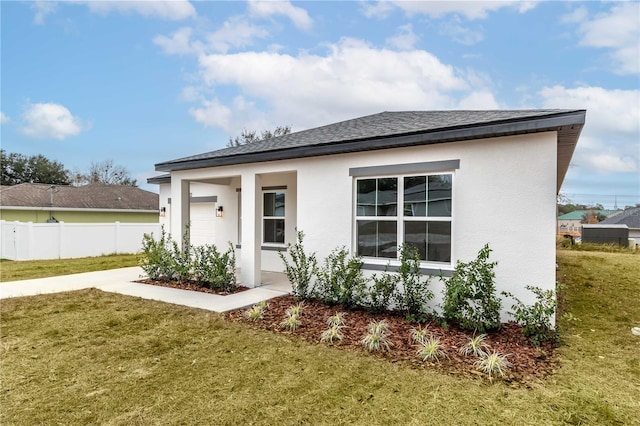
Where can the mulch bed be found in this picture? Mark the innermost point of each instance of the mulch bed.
(527, 362)
(193, 286)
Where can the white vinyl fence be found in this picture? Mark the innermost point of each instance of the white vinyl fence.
(28, 241)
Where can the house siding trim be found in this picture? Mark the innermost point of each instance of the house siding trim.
(426, 167)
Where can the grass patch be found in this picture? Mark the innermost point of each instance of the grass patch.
(28, 269)
(94, 357)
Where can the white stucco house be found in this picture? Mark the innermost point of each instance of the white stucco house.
(446, 181)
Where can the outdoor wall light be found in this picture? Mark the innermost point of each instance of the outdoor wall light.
(163, 211)
(219, 211)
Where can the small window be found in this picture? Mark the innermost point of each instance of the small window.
(273, 217)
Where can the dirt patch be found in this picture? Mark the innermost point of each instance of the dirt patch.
(527, 362)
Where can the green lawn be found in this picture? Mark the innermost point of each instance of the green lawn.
(27, 269)
(93, 357)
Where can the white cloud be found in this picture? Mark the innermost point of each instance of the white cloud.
(212, 113)
(297, 15)
(617, 30)
(610, 141)
(42, 9)
(50, 121)
(179, 43)
(460, 33)
(351, 79)
(3, 118)
(436, 9)
(482, 99)
(235, 32)
(406, 39)
(173, 10)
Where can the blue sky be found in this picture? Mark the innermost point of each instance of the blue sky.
(149, 81)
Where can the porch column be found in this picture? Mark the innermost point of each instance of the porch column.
(251, 257)
(180, 213)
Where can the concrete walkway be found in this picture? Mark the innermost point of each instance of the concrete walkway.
(122, 281)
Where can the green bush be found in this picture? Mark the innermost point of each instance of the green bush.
(163, 259)
(214, 269)
(340, 280)
(181, 259)
(302, 268)
(156, 256)
(470, 294)
(414, 294)
(379, 294)
(536, 319)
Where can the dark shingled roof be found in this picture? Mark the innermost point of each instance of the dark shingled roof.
(95, 196)
(399, 129)
(629, 217)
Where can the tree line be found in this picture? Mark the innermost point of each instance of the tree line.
(19, 168)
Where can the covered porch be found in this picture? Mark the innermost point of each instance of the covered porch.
(254, 212)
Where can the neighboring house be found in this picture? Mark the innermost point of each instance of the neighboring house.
(629, 217)
(571, 223)
(95, 203)
(446, 181)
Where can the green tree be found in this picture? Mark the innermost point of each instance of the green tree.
(19, 168)
(247, 137)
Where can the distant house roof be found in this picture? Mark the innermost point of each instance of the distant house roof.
(94, 196)
(578, 214)
(629, 217)
(399, 129)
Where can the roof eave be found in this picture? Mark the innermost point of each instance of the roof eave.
(573, 120)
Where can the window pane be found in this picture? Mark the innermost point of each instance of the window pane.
(440, 195)
(366, 197)
(415, 196)
(439, 241)
(273, 231)
(415, 234)
(377, 238)
(387, 201)
(432, 239)
(273, 205)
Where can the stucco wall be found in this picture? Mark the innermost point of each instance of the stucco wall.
(500, 185)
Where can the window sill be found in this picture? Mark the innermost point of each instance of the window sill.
(267, 248)
(445, 270)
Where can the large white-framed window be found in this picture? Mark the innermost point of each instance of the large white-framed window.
(407, 208)
(273, 217)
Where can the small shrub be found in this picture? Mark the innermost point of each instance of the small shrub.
(536, 319)
(290, 322)
(302, 268)
(156, 256)
(414, 295)
(493, 363)
(419, 335)
(431, 349)
(476, 346)
(470, 294)
(181, 258)
(336, 320)
(295, 310)
(381, 291)
(377, 337)
(332, 333)
(255, 313)
(340, 280)
(214, 269)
